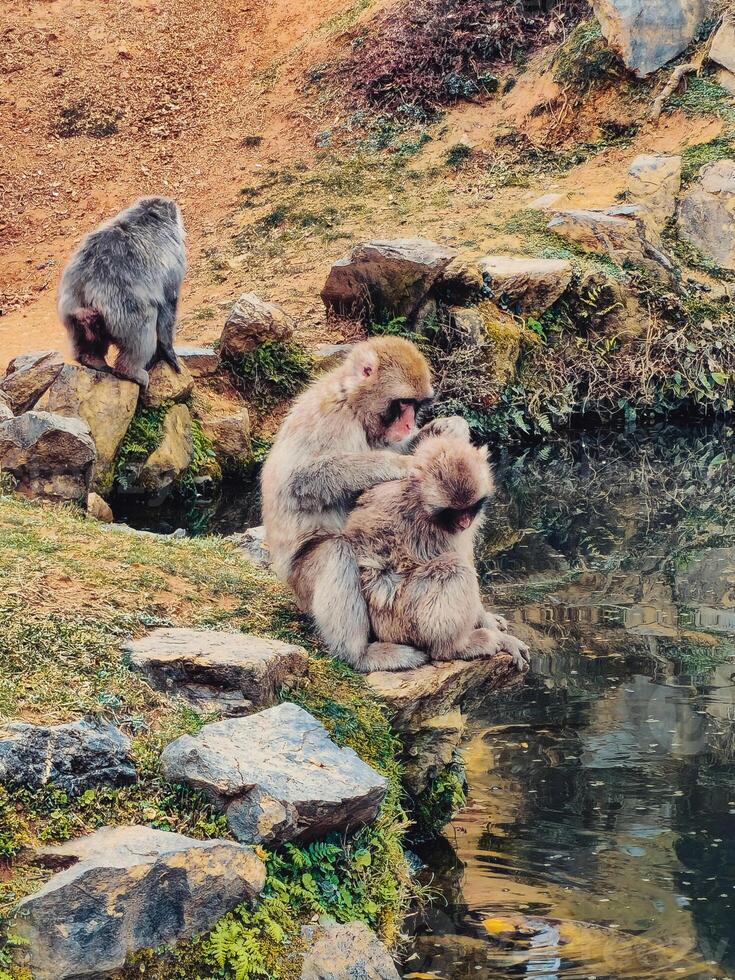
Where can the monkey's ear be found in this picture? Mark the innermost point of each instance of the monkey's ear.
(363, 365)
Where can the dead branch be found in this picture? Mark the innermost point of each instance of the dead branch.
(670, 87)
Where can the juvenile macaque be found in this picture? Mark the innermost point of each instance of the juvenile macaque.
(345, 434)
(413, 540)
(121, 287)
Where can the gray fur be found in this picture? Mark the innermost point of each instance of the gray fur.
(121, 286)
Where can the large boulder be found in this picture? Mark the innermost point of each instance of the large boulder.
(345, 951)
(278, 776)
(212, 671)
(74, 757)
(27, 378)
(129, 888)
(251, 322)
(619, 232)
(707, 213)
(167, 385)
(173, 455)
(527, 285)
(654, 182)
(50, 456)
(649, 33)
(230, 435)
(99, 509)
(201, 362)
(6, 412)
(380, 279)
(106, 403)
(413, 696)
(722, 46)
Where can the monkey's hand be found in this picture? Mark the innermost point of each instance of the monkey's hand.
(493, 621)
(454, 426)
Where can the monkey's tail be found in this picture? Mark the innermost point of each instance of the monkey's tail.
(338, 605)
(168, 354)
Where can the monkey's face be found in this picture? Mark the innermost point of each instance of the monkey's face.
(453, 482)
(389, 386)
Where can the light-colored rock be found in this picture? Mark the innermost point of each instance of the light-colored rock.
(654, 182)
(129, 888)
(722, 46)
(278, 776)
(74, 757)
(166, 385)
(546, 202)
(345, 951)
(27, 378)
(707, 213)
(618, 232)
(166, 463)
(99, 509)
(201, 362)
(649, 33)
(6, 412)
(527, 285)
(429, 748)
(328, 356)
(436, 688)
(230, 435)
(251, 322)
(252, 545)
(383, 278)
(469, 323)
(213, 671)
(50, 456)
(106, 403)
(726, 79)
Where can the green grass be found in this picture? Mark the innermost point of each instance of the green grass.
(72, 593)
(693, 158)
(272, 372)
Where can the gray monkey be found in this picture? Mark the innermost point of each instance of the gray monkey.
(121, 287)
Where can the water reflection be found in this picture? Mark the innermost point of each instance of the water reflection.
(599, 839)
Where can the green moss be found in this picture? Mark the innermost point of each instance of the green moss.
(441, 799)
(693, 158)
(272, 372)
(457, 155)
(585, 60)
(701, 95)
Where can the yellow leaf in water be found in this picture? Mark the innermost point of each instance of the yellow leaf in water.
(494, 926)
(422, 976)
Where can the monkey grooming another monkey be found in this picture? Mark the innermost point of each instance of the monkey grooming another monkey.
(121, 287)
(413, 540)
(343, 435)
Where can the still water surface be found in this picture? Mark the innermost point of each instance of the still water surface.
(599, 835)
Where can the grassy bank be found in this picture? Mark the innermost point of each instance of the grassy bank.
(70, 592)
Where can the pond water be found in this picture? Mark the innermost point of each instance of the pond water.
(599, 836)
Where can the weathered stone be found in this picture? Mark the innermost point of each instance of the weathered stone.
(252, 545)
(707, 213)
(345, 951)
(27, 377)
(166, 463)
(167, 385)
(213, 671)
(601, 303)
(201, 362)
(469, 323)
(504, 334)
(461, 282)
(74, 757)
(722, 46)
(6, 411)
(654, 182)
(726, 79)
(618, 232)
(49, 455)
(436, 688)
(251, 322)
(527, 285)
(99, 509)
(230, 435)
(385, 278)
(328, 356)
(429, 748)
(649, 33)
(106, 403)
(130, 888)
(278, 775)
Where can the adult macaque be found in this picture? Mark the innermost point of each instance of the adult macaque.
(121, 287)
(345, 434)
(413, 540)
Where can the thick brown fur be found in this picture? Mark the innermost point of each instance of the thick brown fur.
(334, 444)
(417, 568)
